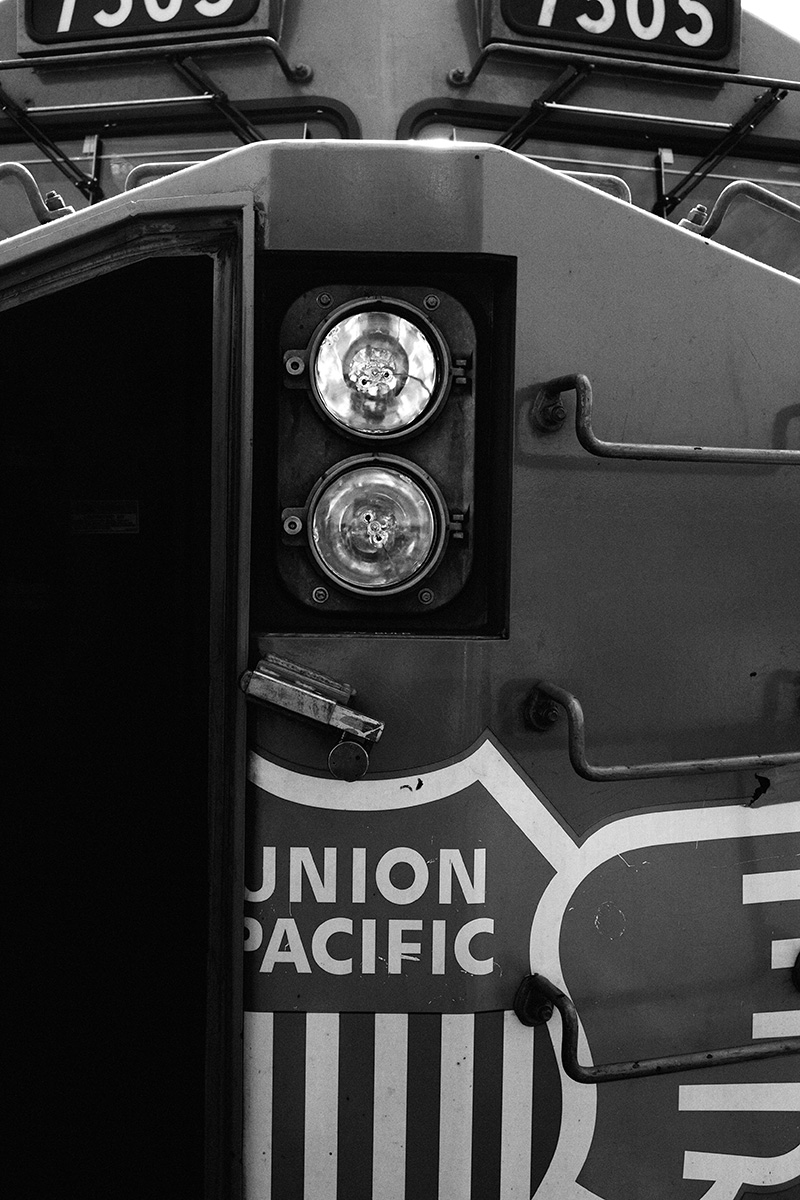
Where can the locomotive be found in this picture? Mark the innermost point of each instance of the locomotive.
(401, 448)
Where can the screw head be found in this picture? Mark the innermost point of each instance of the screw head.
(324, 299)
(319, 595)
(431, 303)
(425, 596)
(294, 365)
(292, 525)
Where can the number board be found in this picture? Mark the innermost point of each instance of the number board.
(57, 25)
(669, 30)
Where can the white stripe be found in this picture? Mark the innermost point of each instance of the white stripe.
(776, 1024)
(770, 885)
(517, 1109)
(785, 951)
(739, 1097)
(455, 1111)
(258, 1027)
(389, 1131)
(322, 1106)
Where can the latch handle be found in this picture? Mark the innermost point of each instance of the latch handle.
(308, 694)
(534, 1003)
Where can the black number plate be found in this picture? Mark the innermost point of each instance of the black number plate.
(690, 28)
(76, 20)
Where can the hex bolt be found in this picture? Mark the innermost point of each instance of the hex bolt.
(548, 413)
(319, 595)
(539, 712)
(324, 299)
(431, 303)
(699, 214)
(425, 596)
(292, 525)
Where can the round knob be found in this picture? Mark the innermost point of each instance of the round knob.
(348, 761)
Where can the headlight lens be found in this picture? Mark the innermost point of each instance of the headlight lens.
(376, 373)
(376, 527)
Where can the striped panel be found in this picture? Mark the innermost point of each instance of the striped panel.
(394, 1106)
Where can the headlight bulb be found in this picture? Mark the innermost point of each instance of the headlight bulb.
(376, 526)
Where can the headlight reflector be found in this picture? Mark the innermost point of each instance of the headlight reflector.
(376, 373)
(376, 525)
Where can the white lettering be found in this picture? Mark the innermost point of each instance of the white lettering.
(646, 32)
(294, 952)
(546, 13)
(451, 863)
(437, 947)
(109, 20)
(398, 949)
(359, 875)
(694, 9)
(368, 947)
(170, 10)
(254, 934)
(392, 858)
(267, 877)
(602, 23)
(67, 13)
(301, 860)
(213, 8)
(319, 946)
(464, 957)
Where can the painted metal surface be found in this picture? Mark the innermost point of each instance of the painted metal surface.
(378, 71)
(381, 1058)
(430, 1101)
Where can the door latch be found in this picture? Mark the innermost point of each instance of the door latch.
(309, 694)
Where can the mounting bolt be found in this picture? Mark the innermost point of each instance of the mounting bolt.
(531, 1006)
(294, 365)
(319, 595)
(425, 596)
(431, 303)
(292, 526)
(699, 214)
(539, 712)
(324, 299)
(547, 412)
(457, 77)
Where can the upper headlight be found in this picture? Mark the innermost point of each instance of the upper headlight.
(376, 373)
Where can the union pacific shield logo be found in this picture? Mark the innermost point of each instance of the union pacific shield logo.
(388, 925)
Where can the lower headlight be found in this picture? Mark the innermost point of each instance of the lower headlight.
(376, 525)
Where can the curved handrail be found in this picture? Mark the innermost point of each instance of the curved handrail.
(534, 1003)
(741, 187)
(540, 712)
(581, 385)
(43, 214)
